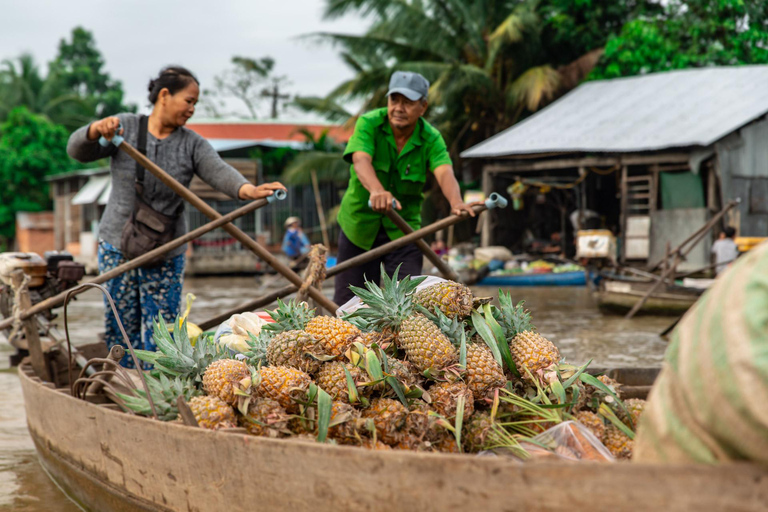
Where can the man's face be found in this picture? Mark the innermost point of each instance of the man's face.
(404, 113)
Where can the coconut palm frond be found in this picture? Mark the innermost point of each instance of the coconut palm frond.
(327, 108)
(534, 88)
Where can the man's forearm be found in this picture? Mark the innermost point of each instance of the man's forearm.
(448, 185)
(366, 174)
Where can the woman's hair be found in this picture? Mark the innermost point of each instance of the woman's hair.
(173, 78)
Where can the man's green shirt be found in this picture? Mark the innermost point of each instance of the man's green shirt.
(403, 175)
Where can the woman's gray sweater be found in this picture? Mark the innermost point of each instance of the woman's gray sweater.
(182, 154)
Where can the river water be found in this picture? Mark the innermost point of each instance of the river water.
(567, 316)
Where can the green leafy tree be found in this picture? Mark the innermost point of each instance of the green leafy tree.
(689, 33)
(490, 62)
(31, 148)
(79, 68)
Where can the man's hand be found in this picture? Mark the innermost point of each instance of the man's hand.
(381, 202)
(248, 191)
(458, 208)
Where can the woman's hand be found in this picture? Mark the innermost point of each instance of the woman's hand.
(106, 128)
(249, 191)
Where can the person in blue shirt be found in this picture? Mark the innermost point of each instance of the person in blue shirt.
(295, 242)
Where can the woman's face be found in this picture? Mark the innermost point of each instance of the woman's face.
(179, 107)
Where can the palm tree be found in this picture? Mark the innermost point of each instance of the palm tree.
(22, 84)
(490, 62)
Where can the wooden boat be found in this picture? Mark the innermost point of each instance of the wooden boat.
(619, 294)
(109, 461)
(578, 278)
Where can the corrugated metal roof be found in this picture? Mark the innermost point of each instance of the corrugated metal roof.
(92, 190)
(694, 107)
(221, 145)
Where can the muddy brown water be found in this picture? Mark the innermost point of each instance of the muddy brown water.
(565, 315)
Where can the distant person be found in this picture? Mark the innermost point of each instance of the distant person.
(724, 249)
(439, 247)
(295, 242)
(143, 293)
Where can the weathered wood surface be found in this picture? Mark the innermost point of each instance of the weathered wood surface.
(112, 461)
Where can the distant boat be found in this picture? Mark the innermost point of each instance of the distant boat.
(619, 294)
(575, 278)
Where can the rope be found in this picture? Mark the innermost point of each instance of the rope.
(17, 311)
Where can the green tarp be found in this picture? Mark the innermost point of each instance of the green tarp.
(681, 190)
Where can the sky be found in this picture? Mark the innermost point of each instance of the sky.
(138, 37)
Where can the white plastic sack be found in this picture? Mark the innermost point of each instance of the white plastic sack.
(236, 330)
(495, 252)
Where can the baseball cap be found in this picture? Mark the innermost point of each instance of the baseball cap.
(411, 85)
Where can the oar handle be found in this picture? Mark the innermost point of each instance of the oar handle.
(116, 139)
(394, 203)
(278, 195)
(495, 201)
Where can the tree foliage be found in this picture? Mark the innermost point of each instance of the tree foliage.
(490, 62)
(31, 148)
(689, 33)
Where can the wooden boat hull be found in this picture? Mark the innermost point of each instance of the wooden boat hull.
(620, 297)
(541, 279)
(112, 461)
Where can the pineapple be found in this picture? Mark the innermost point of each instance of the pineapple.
(592, 421)
(635, 407)
(531, 352)
(484, 374)
(334, 334)
(333, 380)
(383, 339)
(290, 316)
(391, 306)
(265, 417)
(223, 378)
(477, 431)
(212, 412)
(346, 427)
(389, 417)
(282, 384)
(453, 299)
(295, 349)
(164, 393)
(614, 385)
(176, 356)
(619, 444)
(404, 372)
(370, 444)
(445, 396)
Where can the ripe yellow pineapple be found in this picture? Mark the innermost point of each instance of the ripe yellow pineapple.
(636, 407)
(333, 380)
(225, 376)
(445, 396)
(391, 307)
(389, 418)
(592, 421)
(619, 444)
(212, 412)
(382, 339)
(334, 334)
(283, 384)
(484, 374)
(532, 351)
(265, 417)
(295, 349)
(346, 425)
(453, 299)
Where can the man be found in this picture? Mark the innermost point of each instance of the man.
(391, 151)
(295, 242)
(725, 250)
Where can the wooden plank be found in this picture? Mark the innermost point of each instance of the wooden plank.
(30, 329)
(486, 234)
(623, 213)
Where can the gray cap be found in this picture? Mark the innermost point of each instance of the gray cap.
(411, 85)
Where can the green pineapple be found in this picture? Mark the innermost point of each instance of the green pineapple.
(391, 307)
(290, 316)
(164, 392)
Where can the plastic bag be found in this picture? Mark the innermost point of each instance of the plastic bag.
(236, 330)
(355, 303)
(569, 440)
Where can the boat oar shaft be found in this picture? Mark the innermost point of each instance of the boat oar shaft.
(233, 230)
(58, 300)
(494, 201)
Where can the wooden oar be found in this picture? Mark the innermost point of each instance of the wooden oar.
(493, 201)
(233, 230)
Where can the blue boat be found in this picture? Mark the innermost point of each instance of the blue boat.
(576, 278)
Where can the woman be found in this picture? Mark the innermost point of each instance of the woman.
(143, 293)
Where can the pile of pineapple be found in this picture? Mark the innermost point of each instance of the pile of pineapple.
(428, 369)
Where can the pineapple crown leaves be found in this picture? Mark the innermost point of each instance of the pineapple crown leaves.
(164, 392)
(257, 351)
(176, 357)
(453, 328)
(290, 316)
(389, 304)
(513, 318)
